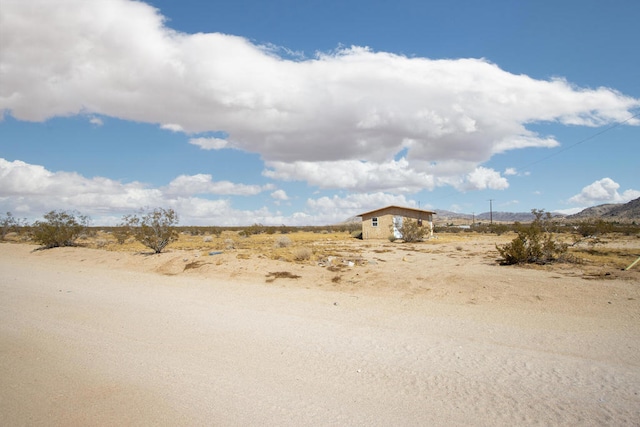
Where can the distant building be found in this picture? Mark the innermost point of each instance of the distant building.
(381, 223)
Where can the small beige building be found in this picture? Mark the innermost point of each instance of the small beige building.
(381, 223)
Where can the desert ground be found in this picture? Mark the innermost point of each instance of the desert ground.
(360, 333)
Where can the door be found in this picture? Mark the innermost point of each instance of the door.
(397, 225)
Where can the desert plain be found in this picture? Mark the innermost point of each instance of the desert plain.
(361, 333)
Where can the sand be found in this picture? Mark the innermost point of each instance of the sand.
(436, 336)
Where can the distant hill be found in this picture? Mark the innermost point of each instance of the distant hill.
(448, 216)
(623, 212)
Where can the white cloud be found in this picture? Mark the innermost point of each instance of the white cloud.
(332, 210)
(204, 184)
(603, 191)
(280, 195)
(484, 178)
(172, 127)
(96, 121)
(353, 175)
(33, 190)
(209, 143)
(511, 171)
(350, 107)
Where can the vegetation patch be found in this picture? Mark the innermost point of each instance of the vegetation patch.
(59, 228)
(535, 243)
(271, 277)
(194, 265)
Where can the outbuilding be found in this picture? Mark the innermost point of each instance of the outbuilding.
(382, 223)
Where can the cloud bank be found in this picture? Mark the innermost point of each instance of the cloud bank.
(30, 190)
(603, 191)
(350, 119)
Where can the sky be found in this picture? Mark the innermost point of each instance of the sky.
(309, 113)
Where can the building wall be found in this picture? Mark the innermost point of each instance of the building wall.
(385, 222)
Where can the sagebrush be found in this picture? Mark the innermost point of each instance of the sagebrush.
(534, 243)
(59, 228)
(155, 229)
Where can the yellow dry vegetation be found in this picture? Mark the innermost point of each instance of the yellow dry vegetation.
(306, 246)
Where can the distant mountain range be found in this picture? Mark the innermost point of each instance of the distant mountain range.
(622, 212)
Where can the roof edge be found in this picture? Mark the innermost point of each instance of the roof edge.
(398, 207)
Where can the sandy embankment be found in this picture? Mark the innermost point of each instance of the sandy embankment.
(96, 338)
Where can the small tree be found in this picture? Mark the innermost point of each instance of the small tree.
(154, 229)
(534, 243)
(9, 223)
(412, 231)
(60, 228)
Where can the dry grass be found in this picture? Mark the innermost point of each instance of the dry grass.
(616, 251)
(612, 257)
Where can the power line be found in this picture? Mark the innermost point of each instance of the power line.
(615, 125)
(525, 167)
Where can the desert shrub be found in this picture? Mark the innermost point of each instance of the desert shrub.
(59, 228)
(229, 244)
(498, 229)
(254, 229)
(282, 242)
(120, 233)
(207, 239)
(302, 254)
(155, 229)
(533, 243)
(411, 231)
(357, 234)
(8, 224)
(593, 228)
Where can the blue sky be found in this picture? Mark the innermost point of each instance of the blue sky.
(308, 113)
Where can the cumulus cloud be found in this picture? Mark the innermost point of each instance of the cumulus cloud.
(96, 121)
(331, 210)
(32, 190)
(603, 191)
(350, 107)
(204, 184)
(484, 178)
(511, 171)
(209, 143)
(280, 195)
(172, 127)
(353, 175)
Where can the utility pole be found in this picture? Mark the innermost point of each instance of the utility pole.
(491, 211)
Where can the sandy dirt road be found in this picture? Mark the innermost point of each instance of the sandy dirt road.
(85, 343)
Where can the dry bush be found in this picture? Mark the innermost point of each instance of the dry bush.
(229, 244)
(302, 253)
(533, 244)
(411, 231)
(155, 229)
(282, 242)
(60, 228)
(8, 224)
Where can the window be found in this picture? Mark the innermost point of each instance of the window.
(374, 221)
